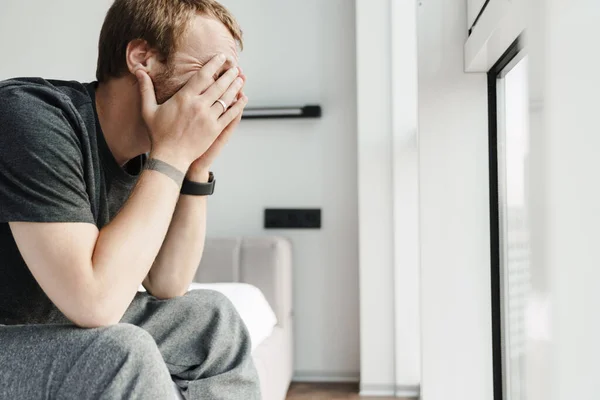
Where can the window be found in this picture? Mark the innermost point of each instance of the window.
(509, 152)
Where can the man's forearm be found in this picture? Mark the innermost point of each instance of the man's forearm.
(178, 259)
(128, 245)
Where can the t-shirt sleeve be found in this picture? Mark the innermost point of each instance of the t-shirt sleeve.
(41, 163)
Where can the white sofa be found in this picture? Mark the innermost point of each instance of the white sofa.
(265, 263)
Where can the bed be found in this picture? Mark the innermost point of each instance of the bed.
(255, 274)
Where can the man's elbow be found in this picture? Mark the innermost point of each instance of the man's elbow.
(165, 292)
(91, 323)
(97, 316)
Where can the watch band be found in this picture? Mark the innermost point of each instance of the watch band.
(166, 169)
(199, 189)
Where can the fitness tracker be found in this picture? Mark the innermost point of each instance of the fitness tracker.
(199, 189)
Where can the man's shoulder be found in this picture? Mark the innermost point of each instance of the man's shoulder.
(37, 111)
(24, 92)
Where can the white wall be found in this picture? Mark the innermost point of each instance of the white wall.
(377, 319)
(54, 39)
(405, 168)
(455, 239)
(388, 197)
(563, 359)
(297, 53)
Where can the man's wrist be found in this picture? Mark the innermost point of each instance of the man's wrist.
(167, 169)
(198, 175)
(171, 159)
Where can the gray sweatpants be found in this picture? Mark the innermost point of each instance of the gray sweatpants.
(197, 340)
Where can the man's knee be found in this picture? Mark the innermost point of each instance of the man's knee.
(210, 301)
(130, 341)
(226, 333)
(226, 322)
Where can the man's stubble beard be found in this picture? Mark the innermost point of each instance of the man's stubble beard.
(165, 86)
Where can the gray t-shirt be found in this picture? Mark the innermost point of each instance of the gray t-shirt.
(55, 166)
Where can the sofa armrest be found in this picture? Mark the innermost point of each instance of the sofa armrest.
(265, 262)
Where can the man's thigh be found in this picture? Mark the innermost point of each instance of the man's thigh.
(66, 362)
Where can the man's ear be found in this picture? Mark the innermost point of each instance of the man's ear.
(139, 54)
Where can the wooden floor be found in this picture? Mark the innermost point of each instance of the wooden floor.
(329, 391)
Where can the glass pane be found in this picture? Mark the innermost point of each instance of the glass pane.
(513, 144)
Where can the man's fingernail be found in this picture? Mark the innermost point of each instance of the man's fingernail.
(222, 57)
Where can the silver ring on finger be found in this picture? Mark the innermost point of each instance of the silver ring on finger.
(221, 102)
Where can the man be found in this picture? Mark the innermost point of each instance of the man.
(86, 216)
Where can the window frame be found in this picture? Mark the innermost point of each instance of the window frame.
(510, 57)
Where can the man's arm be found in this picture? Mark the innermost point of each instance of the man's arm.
(180, 256)
(91, 275)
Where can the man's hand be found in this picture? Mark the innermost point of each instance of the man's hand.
(198, 171)
(186, 126)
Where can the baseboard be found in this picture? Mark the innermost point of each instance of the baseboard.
(409, 391)
(326, 377)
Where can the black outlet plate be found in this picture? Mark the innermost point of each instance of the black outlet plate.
(292, 218)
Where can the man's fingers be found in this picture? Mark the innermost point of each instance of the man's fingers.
(234, 111)
(231, 127)
(225, 135)
(240, 95)
(204, 78)
(146, 92)
(228, 97)
(218, 89)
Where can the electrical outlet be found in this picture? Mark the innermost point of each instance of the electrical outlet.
(292, 218)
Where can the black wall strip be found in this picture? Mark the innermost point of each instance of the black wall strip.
(310, 111)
